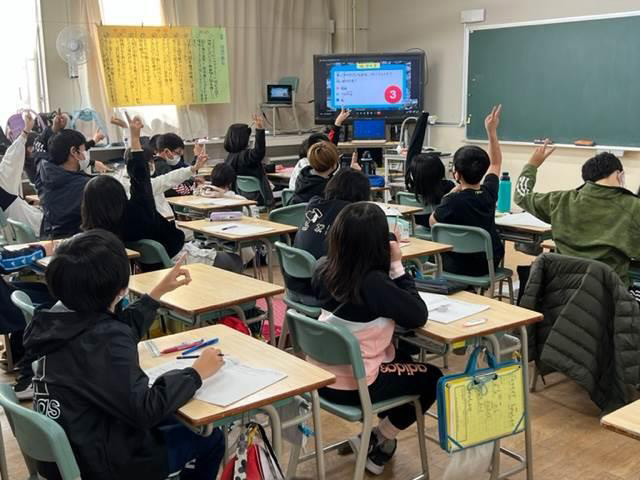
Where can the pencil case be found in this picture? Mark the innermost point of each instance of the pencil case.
(224, 216)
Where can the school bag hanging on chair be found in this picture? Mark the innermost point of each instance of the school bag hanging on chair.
(15, 123)
(254, 458)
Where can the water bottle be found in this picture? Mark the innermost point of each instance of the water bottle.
(367, 163)
(504, 193)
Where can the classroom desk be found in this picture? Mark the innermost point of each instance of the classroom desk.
(501, 317)
(211, 289)
(302, 377)
(204, 205)
(282, 177)
(276, 230)
(44, 262)
(524, 233)
(625, 420)
(416, 247)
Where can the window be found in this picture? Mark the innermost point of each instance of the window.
(147, 13)
(18, 36)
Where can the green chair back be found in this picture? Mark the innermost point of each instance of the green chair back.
(21, 300)
(293, 81)
(248, 184)
(287, 195)
(6, 230)
(294, 261)
(324, 342)
(408, 199)
(22, 232)
(464, 239)
(39, 437)
(151, 253)
(292, 215)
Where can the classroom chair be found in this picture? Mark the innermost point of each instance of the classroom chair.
(465, 239)
(275, 108)
(409, 199)
(312, 338)
(22, 232)
(5, 230)
(151, 253)
(421, 264)
(291, 215)
(23, 302)
(40, 438)
(247, 185)
(287, 195)
(299, 264)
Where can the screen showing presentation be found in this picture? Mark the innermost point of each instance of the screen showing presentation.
(385, 85)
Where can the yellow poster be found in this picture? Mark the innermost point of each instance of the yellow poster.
(165, 65)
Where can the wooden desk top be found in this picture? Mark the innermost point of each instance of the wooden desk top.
(210, 289)
(418, 248)
(625, 420)
(205, 204)
(500, 317)
(549, 245)
(403, 209)
(301, 376)
(202, 226)
(131, 254)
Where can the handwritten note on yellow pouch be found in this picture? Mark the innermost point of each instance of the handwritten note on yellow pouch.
(164, 65)
(478, 412)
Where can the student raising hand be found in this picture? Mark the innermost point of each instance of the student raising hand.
(354, 162)
(118, 122)
(208, 363)
(175, 278)
(28, 122)
(540, 154)
(492, 121)
(342, 116)
(257, 119)
(201, 161)
(98, 136)
(135, 127)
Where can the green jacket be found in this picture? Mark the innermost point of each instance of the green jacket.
(593, 221)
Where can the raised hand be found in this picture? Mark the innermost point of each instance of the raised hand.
(59, 121)
(118, 122)
(135, 126)
(342, 116)
(541, 153)
(354, 162)
(201, 161)
(175, 278)
(28, 122)
(492, 121)
(198, 149)
(257, 119)
(98, 136)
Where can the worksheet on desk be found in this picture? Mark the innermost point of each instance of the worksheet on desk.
(444, 309)
(215, 201)
(237, 229)
(233, 382)
(523, 219)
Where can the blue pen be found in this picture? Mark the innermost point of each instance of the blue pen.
(208, 343)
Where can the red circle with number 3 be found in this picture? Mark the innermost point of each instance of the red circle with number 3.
(392, 94)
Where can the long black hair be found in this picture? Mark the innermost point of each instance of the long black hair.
(103, 205)
(425, 179)
(358, 244)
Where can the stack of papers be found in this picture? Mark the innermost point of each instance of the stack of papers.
(215, 201)
(444, 309)
(233, 382)
(237, 229)
(521, 219)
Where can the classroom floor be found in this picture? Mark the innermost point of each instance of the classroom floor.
(568, 440)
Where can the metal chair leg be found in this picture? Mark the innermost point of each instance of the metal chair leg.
(317, 427)
(361, 459)
(512, 298)
(421, 439)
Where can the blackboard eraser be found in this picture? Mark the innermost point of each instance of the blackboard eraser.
(584, 143)
(540, 141)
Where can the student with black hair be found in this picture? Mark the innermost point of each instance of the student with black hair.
(599, 221)
(169, 149)
(367, 291)
(11, 168)
(332, 136)
(88, 378)
(425, 176)
(60, 178)
(247, 161)
(473, 203)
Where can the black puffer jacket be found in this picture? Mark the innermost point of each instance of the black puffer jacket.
(248, 161)
(591, 326)
(88, 380)
(308, 185)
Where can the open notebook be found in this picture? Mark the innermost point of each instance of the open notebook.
(233, 382)
(523, 219)
(444, 309)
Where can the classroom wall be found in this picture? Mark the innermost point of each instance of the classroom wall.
(434, 25)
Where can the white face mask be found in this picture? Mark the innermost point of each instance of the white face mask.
(621, 179)
(174, 160)
(83, 161)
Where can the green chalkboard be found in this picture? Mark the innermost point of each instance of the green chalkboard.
(565, 81)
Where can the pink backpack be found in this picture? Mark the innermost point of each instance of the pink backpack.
(15, 123)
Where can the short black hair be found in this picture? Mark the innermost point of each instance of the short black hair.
(600, 166)
(153, 142)
(31, 139)
(170, 141)
(311, 140)
(223, 176)
(471, 162)
(98, 213)
(88, 271)
(61, 143)
(348, 185)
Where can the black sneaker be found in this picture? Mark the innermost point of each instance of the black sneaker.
(23, 391)
(380, 455)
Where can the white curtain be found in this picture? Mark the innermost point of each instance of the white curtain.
(266, 40)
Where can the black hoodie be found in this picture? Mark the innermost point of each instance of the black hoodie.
(308, 185)
(89, 381)
(248, 161)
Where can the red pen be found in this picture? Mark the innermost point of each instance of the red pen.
(182, 346)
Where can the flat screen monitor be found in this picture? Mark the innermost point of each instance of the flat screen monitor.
(368, 129)
(388, 86)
